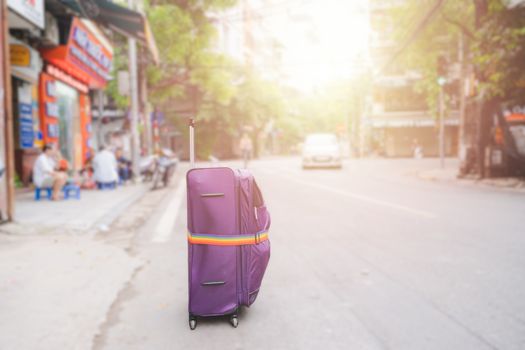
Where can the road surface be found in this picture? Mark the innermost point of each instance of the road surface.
(368, 257)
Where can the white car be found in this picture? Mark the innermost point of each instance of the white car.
(322, 150)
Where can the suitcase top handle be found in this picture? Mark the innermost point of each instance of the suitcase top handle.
(200, 238)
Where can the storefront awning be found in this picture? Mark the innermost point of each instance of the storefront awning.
(118, 18)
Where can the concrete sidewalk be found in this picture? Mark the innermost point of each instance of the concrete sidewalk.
(55, 291)
(95, 210)
(64, 264)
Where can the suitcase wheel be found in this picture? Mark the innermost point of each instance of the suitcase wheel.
(193, 322)
(234, 320)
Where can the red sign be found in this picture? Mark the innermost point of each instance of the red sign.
(515, 117)
(88, 53)
(66, 78)
(84, 57)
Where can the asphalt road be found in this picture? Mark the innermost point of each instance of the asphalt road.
(368, 257)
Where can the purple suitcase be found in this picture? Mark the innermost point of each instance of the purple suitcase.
(228, 246)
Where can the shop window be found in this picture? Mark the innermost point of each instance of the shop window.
(69, 119)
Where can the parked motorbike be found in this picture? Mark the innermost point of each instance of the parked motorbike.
(165, 165)
(147, 167)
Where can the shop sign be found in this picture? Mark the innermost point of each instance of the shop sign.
(26, 125)
(52, 130)
(410, 123)
(20, 55)
(88, 53)
(26, 63)
(32, 10)
(515, 114)
(52, 109)
(66, 78)
(51, 89)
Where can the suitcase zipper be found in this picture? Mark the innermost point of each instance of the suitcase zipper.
(241, 262)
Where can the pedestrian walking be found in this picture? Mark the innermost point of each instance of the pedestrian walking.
(246, 147)
(417, 150)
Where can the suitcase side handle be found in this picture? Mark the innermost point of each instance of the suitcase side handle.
(212, 194)
(213, 283)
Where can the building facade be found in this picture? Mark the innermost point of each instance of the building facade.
(50, 87)
(55, 60)
(397, 118)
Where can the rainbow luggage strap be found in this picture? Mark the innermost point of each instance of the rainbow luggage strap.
(199, 238)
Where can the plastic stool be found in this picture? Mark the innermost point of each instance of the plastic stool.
(38, 191)
(107, 185)
(71, 191)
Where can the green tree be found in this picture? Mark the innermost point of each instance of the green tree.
(493, 35)
(184, 34)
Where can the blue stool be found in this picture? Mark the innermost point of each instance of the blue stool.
(71, 191)
(107, 185)
(38, 191)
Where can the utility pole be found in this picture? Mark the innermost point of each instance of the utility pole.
(146, 112)
(442, 69)
(462, 101)
(134, 112)
(356, 125)
(7, 113)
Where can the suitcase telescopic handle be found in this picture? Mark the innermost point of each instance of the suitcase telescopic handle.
(192, 142)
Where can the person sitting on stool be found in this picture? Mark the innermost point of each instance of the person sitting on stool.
(124, 166)
(45, 174)
(105, 168)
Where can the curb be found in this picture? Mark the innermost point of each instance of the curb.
(506, 184)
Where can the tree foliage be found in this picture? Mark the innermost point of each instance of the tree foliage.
(493, 37)
(184, 34)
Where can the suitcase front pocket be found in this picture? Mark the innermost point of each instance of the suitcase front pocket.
(213, 283)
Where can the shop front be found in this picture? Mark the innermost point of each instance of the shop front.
(399, 137)
(71, 70)
(26, 65)
(62, 100)
(505, 150)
